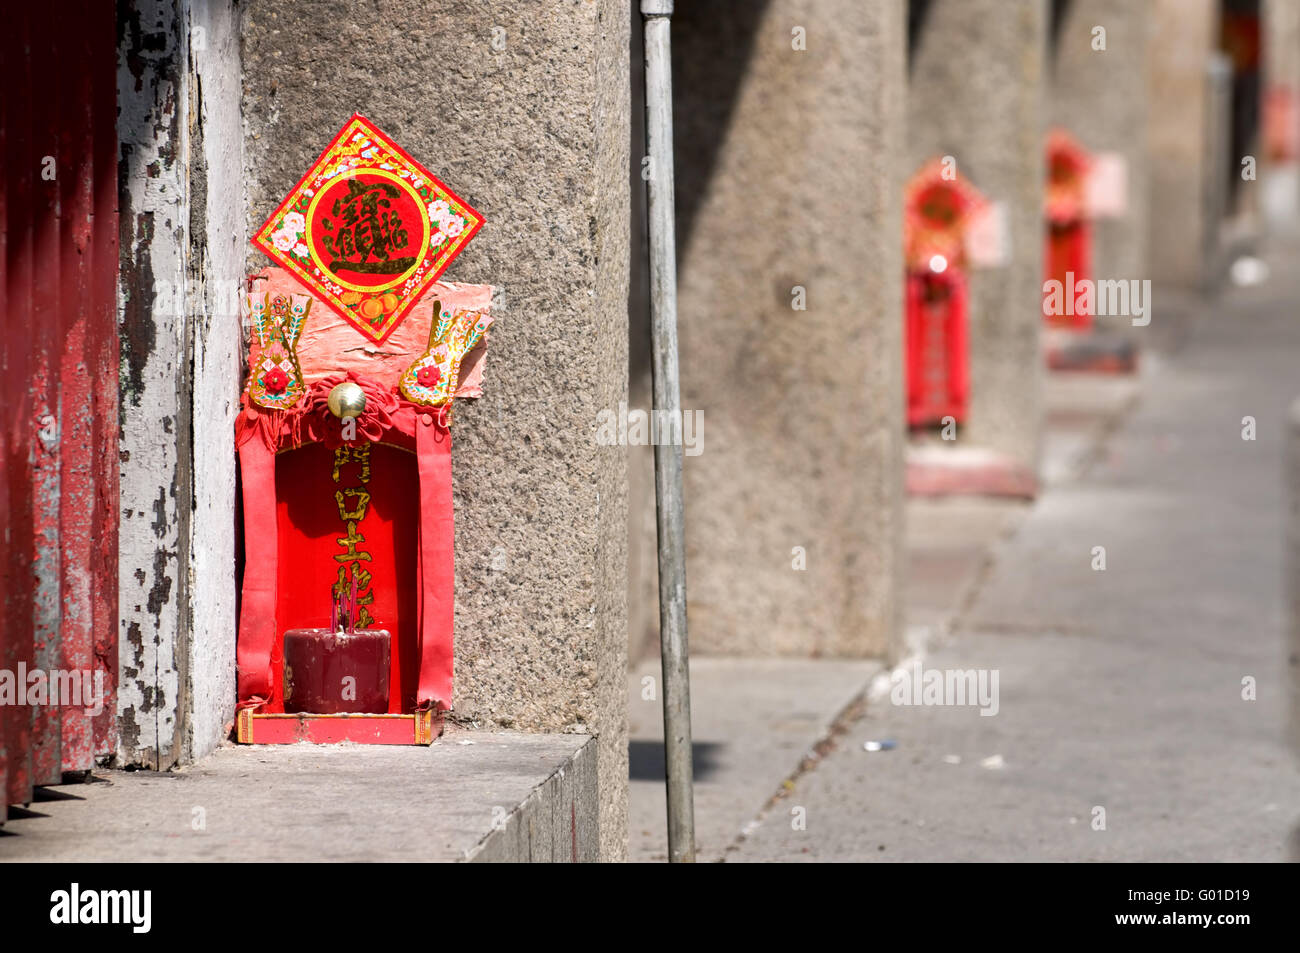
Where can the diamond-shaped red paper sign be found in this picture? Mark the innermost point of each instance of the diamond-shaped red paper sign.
(368, 229)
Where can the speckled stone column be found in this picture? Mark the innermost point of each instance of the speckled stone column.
(977, 93)
(1100, 97)
(789, 121)
(1183, 34)
(1279, 177)
(523, 110)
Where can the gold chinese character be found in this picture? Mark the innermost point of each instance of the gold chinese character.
(353, 454)
(350, 541)
(359, 512)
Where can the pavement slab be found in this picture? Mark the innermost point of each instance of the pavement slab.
(753, 721)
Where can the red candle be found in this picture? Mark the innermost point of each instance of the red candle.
(328, 673)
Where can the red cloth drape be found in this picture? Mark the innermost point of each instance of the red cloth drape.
(257, 603)
(437, 569)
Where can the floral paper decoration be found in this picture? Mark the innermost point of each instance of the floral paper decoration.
(1068, 165)
(939, 205)
(433, 377)
(275, 380)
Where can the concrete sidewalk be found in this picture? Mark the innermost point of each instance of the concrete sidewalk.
(761, 723)
(1121, 731)
(472, 795)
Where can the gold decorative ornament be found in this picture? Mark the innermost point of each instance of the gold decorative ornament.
(347, 400)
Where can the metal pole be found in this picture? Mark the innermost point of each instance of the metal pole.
(668, 454)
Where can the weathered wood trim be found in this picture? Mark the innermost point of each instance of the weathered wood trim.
(180, 137)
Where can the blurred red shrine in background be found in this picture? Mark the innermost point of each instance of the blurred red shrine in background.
(938, 208)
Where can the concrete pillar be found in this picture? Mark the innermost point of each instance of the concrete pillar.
(789, 122)
(1100, 97)
(182, 256)
(1279, 182)
(1184, 129)
(1292, 582)
(523, 111)
(976, 93)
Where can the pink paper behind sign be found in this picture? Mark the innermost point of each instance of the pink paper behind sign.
(330, 345)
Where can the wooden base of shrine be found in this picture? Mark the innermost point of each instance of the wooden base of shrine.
(938, 470)
(419, 728)
(1094, 352)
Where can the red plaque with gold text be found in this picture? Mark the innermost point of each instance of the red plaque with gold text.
(368, 229)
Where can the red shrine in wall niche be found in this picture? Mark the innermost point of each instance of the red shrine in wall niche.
(347, 603)
(1067, 257)
(939, 206)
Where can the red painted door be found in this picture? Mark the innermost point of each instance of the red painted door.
(58, 440)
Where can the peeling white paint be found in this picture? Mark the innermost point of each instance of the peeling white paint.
(216, 381)
(179, 126)
(151, 81)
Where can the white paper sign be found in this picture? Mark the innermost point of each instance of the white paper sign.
(1106, 188)
(988, 242)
